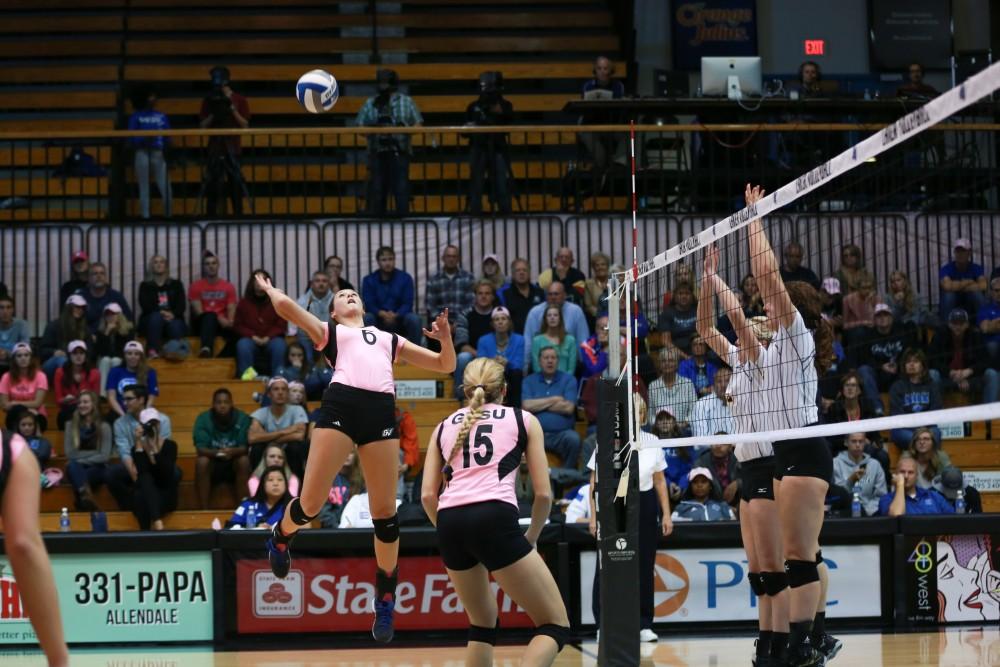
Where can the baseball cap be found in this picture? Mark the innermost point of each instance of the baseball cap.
(664, 411)
(149, 415)
(882, 308)
(275, 380)
(950, 482)
(831, 285)
(963, 243)
(20, 347)
(80, 256)
(113, 307)
(76, 300)
(499, 310)
(134, 345)
(958, 315)
(488, 256)
(76, 345)
(705, 472)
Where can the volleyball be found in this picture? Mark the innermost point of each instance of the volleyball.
(317, 91)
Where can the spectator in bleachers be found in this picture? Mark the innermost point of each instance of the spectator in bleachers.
(595, 289)
(950, 482)
(852, 273)
(553, 334)
(672, 391)
(149, 152)
(317, 300)
(833, 303)
(267, 504)
(452, 287)
(698, 368)
(859, 312)
(30, 425)
(87, 444)
(470, 326)
(959, 361)
(908, 307)
(588, 397)
(112, 336)
(909, 499)
(808, 83)
(915, 87)
(987, 319)
(857, 472)
(260, 329)
(98, 294)
(334, 271)
(282, 424)
(274, 456)
(13, 330)
(162, 303)
(550, 395)
(521, 295)
(127, 431)
(134, 370)
(357, 512)
(913, 392)
(725, 468)
(680, 460)
(24, 384)
(489, 153)
(604, 148)
(71, 325)
(507, 347)
(850, 406)
(563, 271)
(387, 294)
(931, 459)
(876, 355)
(223, 108)
(677, 321)
(683, 274)
(79, 270)
(409, 449)
(594, 350)
(220, 440)
(702, 500)
(74, 378)
(492, 271)
(157, 478)
(573, 318)
(711, 413)
(388, 154)
(792, 268)
(294, 366)
(347, 483)
(963, 282)
(213, 304)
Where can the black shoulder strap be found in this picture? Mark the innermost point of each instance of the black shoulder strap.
(522, 430)
(395, 343)
(437, 436)
(330, 350)
(8, 459)
(512, 460)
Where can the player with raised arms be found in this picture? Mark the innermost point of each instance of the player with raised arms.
(759, 524)
(803, 467)
(23, 546)
(468, 492)
(358, 409)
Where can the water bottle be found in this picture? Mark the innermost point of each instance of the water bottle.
(251, 517)
(856, 505)
(868, 94)
(64, 521)
(960, 502)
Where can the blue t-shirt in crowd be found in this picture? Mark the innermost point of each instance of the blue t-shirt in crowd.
(927, 501)
(561, 384)
(120, 377)
(513, 353)
(148, 119)
(394, 295)
(990, 311)
(950, 270)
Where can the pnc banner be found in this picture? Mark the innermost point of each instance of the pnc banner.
(335, 595)
(120, 598)
(713, 28)
(692, 585)
(953, 578)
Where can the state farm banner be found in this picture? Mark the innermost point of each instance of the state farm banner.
(953, 579)
(697, 585)
(335, 595)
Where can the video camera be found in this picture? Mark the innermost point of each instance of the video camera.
(218, 104)
(150, 430)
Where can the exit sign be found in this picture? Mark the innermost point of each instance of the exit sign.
(815, 47)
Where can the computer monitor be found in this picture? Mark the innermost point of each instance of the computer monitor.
(716, 73)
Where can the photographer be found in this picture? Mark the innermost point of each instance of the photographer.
(388, 154)
(488, 153)
(156, 482)
(223, 108)
(124, 476)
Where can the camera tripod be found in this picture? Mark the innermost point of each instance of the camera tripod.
(223, 167)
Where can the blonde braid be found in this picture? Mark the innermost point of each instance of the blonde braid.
(484, 379)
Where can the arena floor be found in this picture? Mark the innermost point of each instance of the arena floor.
(962, 647)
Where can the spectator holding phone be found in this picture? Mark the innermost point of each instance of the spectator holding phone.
(859, 473)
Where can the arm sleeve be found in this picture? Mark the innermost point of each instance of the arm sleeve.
(368, 295)
(570, 389)
(179, 302)
(515, 353)
(152, 385)
(461, 330)
(147, 297)
(240, 323)
(201, 436)
(122, 442)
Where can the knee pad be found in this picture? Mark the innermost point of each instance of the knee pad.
(559, 633)
(801, 572)
(485, 635)
(299, 518)
(819, 557)
(756, 583)
(774, 582)
(387, 530)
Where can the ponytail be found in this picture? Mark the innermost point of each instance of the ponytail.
(483, 382)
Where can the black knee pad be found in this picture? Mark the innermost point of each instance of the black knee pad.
(801, 572)
(485, 635)
(774, 582)
(387, 530)
(299, 518)
(559, 633)
(819, 557)
(756, 583)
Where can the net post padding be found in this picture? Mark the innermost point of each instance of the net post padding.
(618, 531)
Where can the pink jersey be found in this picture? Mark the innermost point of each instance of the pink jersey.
(486, 468)
(362, 357)
(17, 446)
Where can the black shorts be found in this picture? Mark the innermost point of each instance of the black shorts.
(364, 416)
(757, 479)
(486, 532)
(803, 457)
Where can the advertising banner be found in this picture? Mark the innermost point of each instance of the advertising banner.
(691, 585)
(713, 28)
(120, 598)
(335, 595)
(953, 578)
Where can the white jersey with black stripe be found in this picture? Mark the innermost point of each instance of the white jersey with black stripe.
(788, 394)
(742, 396)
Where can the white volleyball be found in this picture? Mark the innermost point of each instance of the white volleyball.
(317, 91)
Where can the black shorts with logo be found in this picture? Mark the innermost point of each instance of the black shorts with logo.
(803, 457)
(365, 416)
(486, 532)
(757, 479)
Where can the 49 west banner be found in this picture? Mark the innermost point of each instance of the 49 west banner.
(953, 578)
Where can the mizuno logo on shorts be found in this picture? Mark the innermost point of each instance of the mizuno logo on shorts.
(387, 432)
(789, 468)
(336, 423)
(762, 490)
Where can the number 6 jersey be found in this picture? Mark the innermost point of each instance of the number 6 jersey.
(361, 357)
(486, 468)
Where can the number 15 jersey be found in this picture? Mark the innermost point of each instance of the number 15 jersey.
(486, 467)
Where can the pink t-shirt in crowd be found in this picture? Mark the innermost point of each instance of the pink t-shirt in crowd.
(24, 390)
(214, 296)
(362, 357)
(487, 468)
